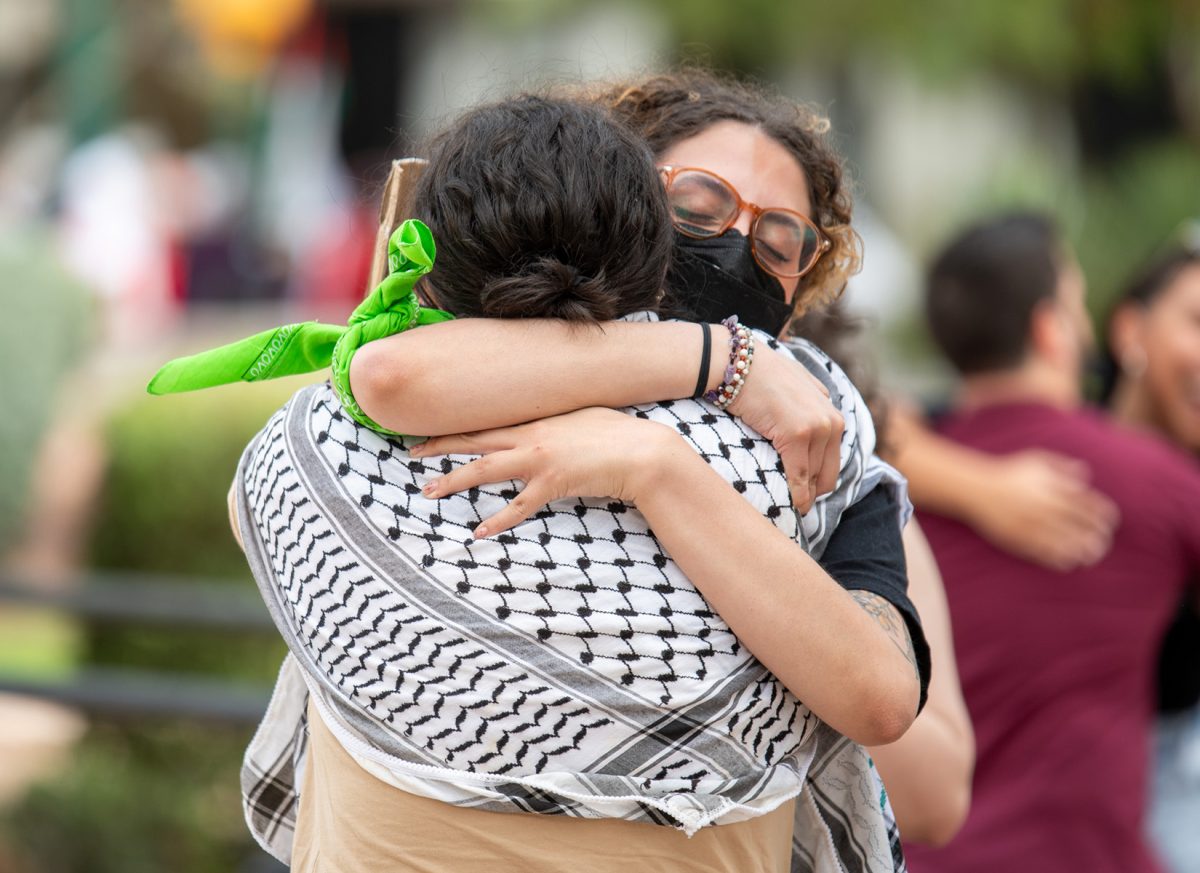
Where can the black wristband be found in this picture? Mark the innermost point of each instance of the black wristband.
(705, 360)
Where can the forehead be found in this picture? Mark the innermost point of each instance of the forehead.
(1184, 288)
(761, 169)
(1072, 285)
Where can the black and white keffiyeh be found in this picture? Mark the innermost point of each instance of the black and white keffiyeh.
(566, 666)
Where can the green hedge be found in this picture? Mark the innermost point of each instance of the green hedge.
(45, 326)
(162, 795)
(159, 798)
(164, 510)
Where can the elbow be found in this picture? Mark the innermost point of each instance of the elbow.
(885, 724)
(887, 713)
(377, 388)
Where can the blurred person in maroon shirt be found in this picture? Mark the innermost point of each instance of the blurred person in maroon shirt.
(1057, 666)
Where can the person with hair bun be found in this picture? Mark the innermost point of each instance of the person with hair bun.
(754, 150)
(654, 662)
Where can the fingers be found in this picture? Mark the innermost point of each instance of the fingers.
(821, 386)
(478, 443)
(795, 457)
(529, 501)
(817, 442)
(831, 458)
(1078, 531)
(811, 455)
(1095, 518)
(1075, 470)
(1087, 517)
(488, 470)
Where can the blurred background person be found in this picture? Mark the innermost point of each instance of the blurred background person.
(1039, 505)
(1153, 383)
(1056, 666)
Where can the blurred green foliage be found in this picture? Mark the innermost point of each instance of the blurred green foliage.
(1048, 43)
(164, 509)
(45, 323)
(171, 462)
(138, 801)
(1133, 209)
(162, 795)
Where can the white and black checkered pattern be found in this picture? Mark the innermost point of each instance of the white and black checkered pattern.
(567, 666)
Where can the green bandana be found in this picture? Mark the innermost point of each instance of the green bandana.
(302, 348)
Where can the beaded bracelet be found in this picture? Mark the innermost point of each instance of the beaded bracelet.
(741, 355)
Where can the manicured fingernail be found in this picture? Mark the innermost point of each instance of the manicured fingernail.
(431, 488)
(415, 451)
(481, 532)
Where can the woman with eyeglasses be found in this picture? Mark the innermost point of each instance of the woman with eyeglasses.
(762, 221)
(658, 666)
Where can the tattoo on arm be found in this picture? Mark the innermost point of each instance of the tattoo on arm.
(888, 618)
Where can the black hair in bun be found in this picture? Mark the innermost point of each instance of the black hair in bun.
(544, 208)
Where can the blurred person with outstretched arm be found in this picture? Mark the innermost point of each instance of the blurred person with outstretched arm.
(1056, 665)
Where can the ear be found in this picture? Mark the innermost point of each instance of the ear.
(1126, 337)
(1046, 330)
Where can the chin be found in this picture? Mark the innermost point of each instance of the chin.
(1185, 429)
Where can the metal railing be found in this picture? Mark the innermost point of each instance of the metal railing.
(145, 601)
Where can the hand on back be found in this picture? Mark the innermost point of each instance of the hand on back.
(1041, 507)
(791, 408)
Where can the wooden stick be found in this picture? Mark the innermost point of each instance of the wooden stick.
(397, 200)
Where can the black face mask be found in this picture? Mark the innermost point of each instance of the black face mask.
(712, 279)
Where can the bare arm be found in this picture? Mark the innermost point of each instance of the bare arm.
(1034, 504)
(927, 772)
(233, 519)
(849, 666)
(474, 374)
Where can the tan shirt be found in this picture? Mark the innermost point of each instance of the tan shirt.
(352, 822)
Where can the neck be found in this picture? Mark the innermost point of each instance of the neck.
(1033, 382)
(1132, 407)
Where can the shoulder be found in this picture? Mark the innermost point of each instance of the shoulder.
(814, 360)
(310, 410)
(1140, 446)
(860, 428)
(861, 469)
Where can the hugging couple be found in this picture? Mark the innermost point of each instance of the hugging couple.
(636, 596)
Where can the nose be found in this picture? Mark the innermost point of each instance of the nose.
(743, 221)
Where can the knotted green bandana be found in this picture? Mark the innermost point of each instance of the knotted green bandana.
(302, 348)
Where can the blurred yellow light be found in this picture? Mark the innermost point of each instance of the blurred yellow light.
(240, 36)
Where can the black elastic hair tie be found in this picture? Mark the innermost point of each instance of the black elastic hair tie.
(705, 360)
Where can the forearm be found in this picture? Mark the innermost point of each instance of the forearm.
(927, 772)
(812, 634)
(943, 476)
(923, 773)
(475, 374)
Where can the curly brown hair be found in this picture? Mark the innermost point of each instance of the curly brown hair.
(669, 107)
